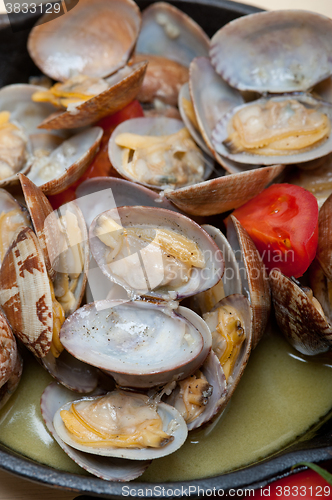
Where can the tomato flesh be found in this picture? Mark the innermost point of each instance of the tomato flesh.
(283, 222)
(100, 165)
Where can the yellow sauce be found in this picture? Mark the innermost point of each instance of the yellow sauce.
(279, 398)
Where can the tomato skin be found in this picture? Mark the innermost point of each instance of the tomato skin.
(100, 165)
(283, 222)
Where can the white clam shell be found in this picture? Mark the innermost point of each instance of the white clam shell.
(173, 424)
(277, 52)
(109, 469)
(154, 126)
(169, 32)
(128, 340)
(200, 278)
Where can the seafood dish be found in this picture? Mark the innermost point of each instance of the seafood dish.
(165, 246)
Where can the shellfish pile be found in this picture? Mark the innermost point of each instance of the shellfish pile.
(145, 317)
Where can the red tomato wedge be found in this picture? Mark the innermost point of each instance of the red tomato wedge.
(283, 223)
(100, 165)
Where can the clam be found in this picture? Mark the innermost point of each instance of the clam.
(288, 129)
(108, 29)
(121, 424)
(110, 469)
(169, 32)
(222, 194)
(124, 338)
(299, 315)
(253, 275)
(324, 254)
(157, 153)
(55, 172)
(10, 361)
(179, 258)
(90, 99)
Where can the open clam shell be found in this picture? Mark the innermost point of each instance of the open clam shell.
(10, 386)
(172, 423)
(151, 275)
(109, 469)
(108, 29)
(253, 275)
(304, 326)
(169, 32)
(125, 85)
(221, 133)
(253, 52)
(222, 194)
(321, 287)
(121, 338)
(241, 305)
(65, 164)
(154, 126)
(25, 293)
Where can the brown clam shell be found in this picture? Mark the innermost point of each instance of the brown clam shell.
(305, 328)
(219, 195)
(324, 254)
(103, 104)
(255, 280)
(44, 222)
(25, 293)
(163, 79)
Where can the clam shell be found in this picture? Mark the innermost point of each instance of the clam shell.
(68, 249)
(124, 89)
(173, 424)
(200, 280)
(44, 221)
(109, 469)
(97, 195)
(220, 134)
(70, 159)
(169, 32)
(301, 323)
(324, 254)
(222, 194)
(137, 361)
(163, 79)
(254, 277)
(214, 374)
(108, 29)
(25, 293)
(277, 52)
(156, 126)
(240, 303)
(71, 373)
